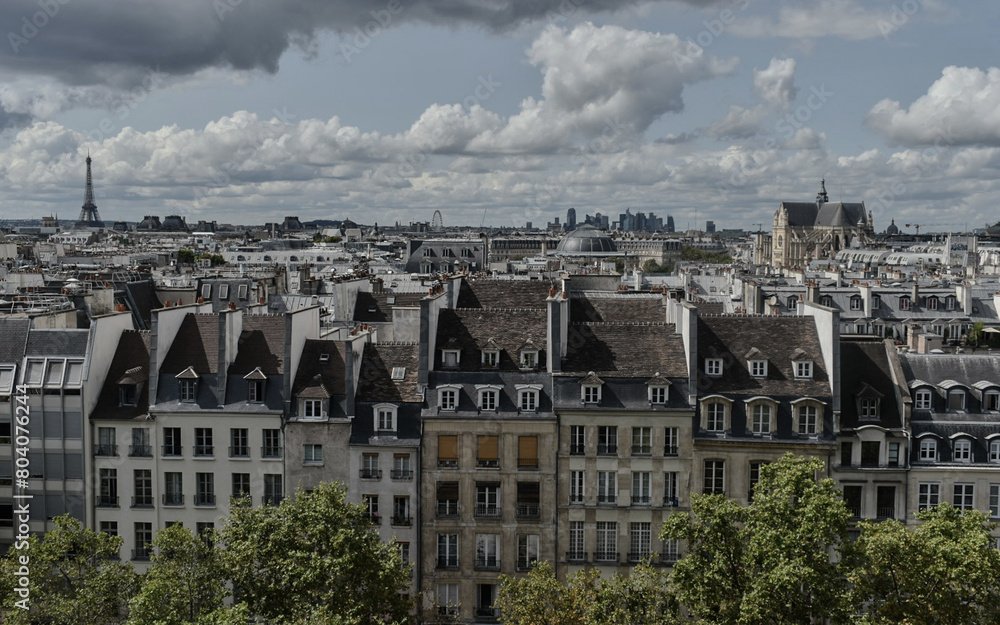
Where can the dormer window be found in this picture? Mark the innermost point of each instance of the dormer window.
(876, 302)
(869, 408)
(713, 366)
(128, 395)
(527, 397)
(991, 400)
(385, 418)
(922, 399)
(312, 408)
(803, 369)
(956, 400)
(187, 385)
(448, 397)
(931, 303)
(491, 354)
(793, 302)
(529, 359)
(949, 302)
(255, 385)
(869, 401)
(658, 389)
(450, 358)
(489, 396)
(928, 449)
(758, 368)
(962, 450)
(904, 303)
(427, 252)
(826, 300)
(857, 303)
(590, 389)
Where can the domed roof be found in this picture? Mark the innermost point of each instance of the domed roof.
(892, 229)
(586, 239)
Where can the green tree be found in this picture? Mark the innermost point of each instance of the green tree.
(976, 334)
(75, 577)
(620, 265)
(943, 571)
(185, 256)
(313, 556)
(540, 599)
(185, 583)
(641, 598)
(776, 561)
(216, 259)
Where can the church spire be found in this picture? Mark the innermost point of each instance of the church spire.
(822, 197)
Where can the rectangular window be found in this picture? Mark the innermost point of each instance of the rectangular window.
(488, 454)
(401, 467)
(758, 368)
(641, 488)
(447, 499)
(956, 401)
(447, 598)
(928, 449)
(312, 453)
(447, 450)
(171, 441)
(607, 542)
(671, 441)
(448, 399)
(187, 390)
(143, 541)
(272, 443)
(205, 493)
(671, 496)
(928, 495)
(893, 454)
(312, 408)
(715, 477)
(995, 451)
(203, 442)
(577, 547)
(107, 442)
(754, 478)
(173, 489)
(607, 440)
(871, 452)
(577, 440)
(108, 495)
(808, 424)
(447, 551)
(490, 359)
(642, 441)
(804, 370)
(142, 493)
(715, 417)
(922, 400)
(853, 496)
(963, 496)
(273, 489)
(994, 501)
(576, 486)
(488, 399)
(713, 366)
(486, 594)
(401, 511)
(369, 467)
(846, 453)
(488, 500)
(109, 527)
(140, 447)
(607, 486)
(869, 408)
(528, 400)
(528, 500)
(761, 419)
(527, 452)
(639, 535)
(658, 395)
(239, 443)
(991, 401)
(241, 485)
(487, 551)
(591, 394)
(962, 450)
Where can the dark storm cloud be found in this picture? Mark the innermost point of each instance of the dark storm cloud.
(111, 42)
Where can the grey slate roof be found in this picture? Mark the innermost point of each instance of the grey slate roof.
(196, 344)
(866, 365)
(376, 384)
(613, 307)
(503, 293)
(510, 328)
(132, 352)
(13, 338)
(625, 350)
(57, 343)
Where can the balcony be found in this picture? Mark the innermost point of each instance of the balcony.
(173, 451)
(577, 450)
(855, 511)
(402, 521)
(142, 554)
(640, 500)
(447, 463)
(274, 499)
(173, 499)
(885, 512)
(487, 464)
(106, 450)
(642, 450)
(447, 562)
(607, 449)
(447, 509)
(669, 556)
(371, 474)
(239, 452)
(401, 474)
(140, 451)
(142, 501)
(107, 501)
(269, 451)
(670, 502)
(638, 556)
(527, 463)
(204, 499)
(528, 511)
(487, 614)
(203, 451)
(606, 499)
(576, 556)
(606, 556)
(670, 450)
(525, 564)
(487, 563)
(375, 519)
(486, 511)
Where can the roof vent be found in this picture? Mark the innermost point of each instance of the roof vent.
(398, 373)
(324, 357)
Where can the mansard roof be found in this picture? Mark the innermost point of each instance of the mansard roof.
(625, 350)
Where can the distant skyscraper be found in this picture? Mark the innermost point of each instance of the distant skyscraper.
(709, 227)
(670, 223)
(571, 219)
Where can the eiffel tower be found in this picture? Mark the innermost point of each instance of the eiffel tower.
(89, 217)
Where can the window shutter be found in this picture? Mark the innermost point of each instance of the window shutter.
(448, 447)
(527, 451)
(489, 448)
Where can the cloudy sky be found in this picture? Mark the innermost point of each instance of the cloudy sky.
(499, 112)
